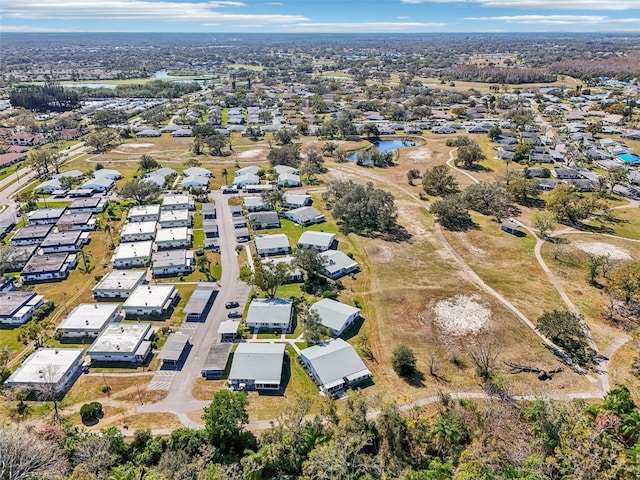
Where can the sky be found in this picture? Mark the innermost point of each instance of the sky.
(315, 16)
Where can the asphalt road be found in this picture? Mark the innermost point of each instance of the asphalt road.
(180, 400)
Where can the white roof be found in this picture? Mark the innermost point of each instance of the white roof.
(163, 172)
(274, 311)
(120, 338)
(334, 360)
(135, 228)
(106, 172)
(144, 210)
(169, 234)
(265, 242)
(228, 326)
(254, 201)
(133, 250)
(261, 362)
(173, 215)
(196, 180)
(319, 239)
(98, 182)
(171, 200)
(282, 169)
(149, 296)
(334, 314)
(246, 178)
(196, 171)
(46, 365)
(252, 170)
(121, 280)
(295, 198)
(89, 316)
(338, 261)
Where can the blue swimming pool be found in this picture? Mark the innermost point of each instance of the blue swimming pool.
(629, 158)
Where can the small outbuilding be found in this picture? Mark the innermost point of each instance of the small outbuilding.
(200, 301)
(173, 348)
(216, 362)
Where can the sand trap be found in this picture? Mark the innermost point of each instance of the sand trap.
(461, 315)
(420, 154)
(253, 153)
(133, 146)
(603, 249)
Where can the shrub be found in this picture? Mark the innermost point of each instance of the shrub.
(403, 361)
(329, 294)
(105, 388)
(91, 411)
(43, 311)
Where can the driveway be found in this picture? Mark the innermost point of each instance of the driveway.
(180, 400)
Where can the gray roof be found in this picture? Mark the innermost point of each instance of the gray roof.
(46, 213)
(66, 237)
(333, 361)
(217, 357)
(89, 316)
(304, 214)
(171, 258)
(334, 314)
(270, 311)
(173, 347)
(279, 240)
(200, 298)
(51, 262)
(10, 302)
(319, 239)
(31, 231)
(261, 362)
(228, 326)
(265, 217)
(338, 261)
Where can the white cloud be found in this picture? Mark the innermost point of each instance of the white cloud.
(364, 26)
(404, 17)
(32, 29)
(556, 19)
(545, 4)
(137, 10)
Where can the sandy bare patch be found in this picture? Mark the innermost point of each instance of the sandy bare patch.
(603, 249)
(420, 154)
(253, 153)
(461, 315)
(134, 146)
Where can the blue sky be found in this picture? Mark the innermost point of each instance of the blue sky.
(343, 16)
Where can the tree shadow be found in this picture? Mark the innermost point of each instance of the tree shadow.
(90, 422)
(396, 234)
(415, 379)
(595, 228)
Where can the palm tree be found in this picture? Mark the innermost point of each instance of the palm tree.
(224, 175)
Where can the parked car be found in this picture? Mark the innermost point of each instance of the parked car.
(231, 304)
(234, 314)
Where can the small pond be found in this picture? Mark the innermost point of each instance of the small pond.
(385, 146)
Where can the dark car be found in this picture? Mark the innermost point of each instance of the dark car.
(234, 314)
(231, 304)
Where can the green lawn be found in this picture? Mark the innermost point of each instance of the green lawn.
(53, 204)
(5, 172)
(9, 338)
(289, 290)
(197, 220)
(293, 231)
(198, 238)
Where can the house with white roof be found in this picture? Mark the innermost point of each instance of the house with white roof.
(270, 313)
(335, 365)
(284, 169)
(161, 172)
(138, 231)
(88, 320)
(175, 218)
(179, 237)
(178, 202)
(122, 342)
(98, 184)
(335, 315)
(246, 179)
(277, 244)
(254, 169)
(48, 366)
(321, 241)
(257, 366)
(144, 213)
(256, 204)
(171, 262)
(196, 181)
(107, 173)
(197, 172)
(118, 284)
(305, 216)
(16, 308)
(289, 180)
(338, 264)
(49, 186)
(132, 254)
(151, 301)
(65, 241)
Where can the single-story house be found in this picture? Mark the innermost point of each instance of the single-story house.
(49, 186)
(77, 221)
(246, 179)
(118, 284)
(138, 231)
(256, 204)
(335, 315)
(289, 180)
(321, 241)
(210, 229)
(65, 241)
(257, 366)
(197, 172)
(161, 172)
(263, 220)
(171, 262)
(122, 342)
(151, 301)
(295, 274)
(178, 202)
(305, 216)
(256, 188)
(283, 169)
(253, 169)
(48, 366)
(179, 237)
(88, 205)
(88, 320)
(335, 365)
(144, 213)
(107, 173)
(98, 184)
(50, 267)
(277, 244)
(270, 313)
(45, 216)
(132, 254)
(195, 182)
(16, 308)
(338, 265)
(295, 200)
(75, 174)
(30, 235)
(175, 218)
(242, 234)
